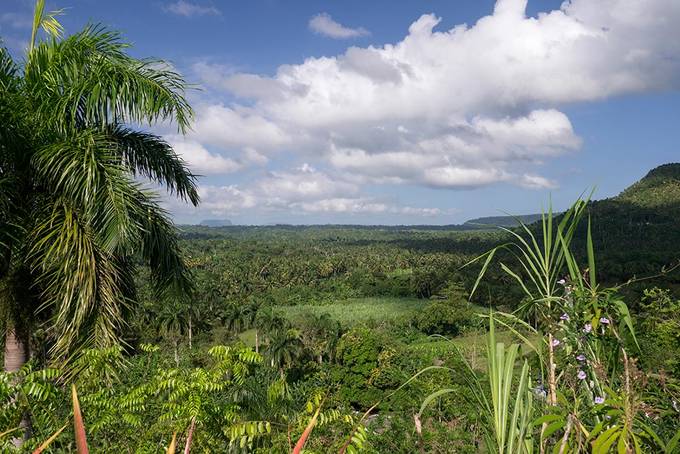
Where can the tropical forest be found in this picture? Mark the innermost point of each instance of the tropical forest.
(136, 318)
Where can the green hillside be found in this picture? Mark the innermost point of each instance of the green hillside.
(659, 188)
(637, 232)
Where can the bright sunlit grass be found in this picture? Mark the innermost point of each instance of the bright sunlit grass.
(359, 310)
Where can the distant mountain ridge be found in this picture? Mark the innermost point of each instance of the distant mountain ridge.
(660, 188)
(215, 222)
(502, 221)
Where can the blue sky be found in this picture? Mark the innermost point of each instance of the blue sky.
(384, 112)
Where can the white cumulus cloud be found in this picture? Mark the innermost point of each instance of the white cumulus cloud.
(465, 107)
(189, 9)
(200, 160)
(303, 190)
(324, 24)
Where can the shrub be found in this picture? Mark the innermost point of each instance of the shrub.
(660, 331)
(357, 355)
(445, 317)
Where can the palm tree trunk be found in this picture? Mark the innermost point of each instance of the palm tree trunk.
(16, 355)
(174, 344)
(189, 332)
(257, 342)
(16, 351)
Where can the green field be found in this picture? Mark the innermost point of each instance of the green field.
(360, 310)
(350, 312)
(472, 346)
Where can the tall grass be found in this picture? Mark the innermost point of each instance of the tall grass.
(506, 404)
(358, 310)
(512, 408)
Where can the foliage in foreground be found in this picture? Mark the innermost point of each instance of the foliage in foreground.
(75, 219)
(596, 398)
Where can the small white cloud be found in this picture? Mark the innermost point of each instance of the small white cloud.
(252, 156)
(227, 128)
(189, 9)
(460, 177)
(302, 191)
(537, 182)
(225, 200)
(324, 24)
(342, 205)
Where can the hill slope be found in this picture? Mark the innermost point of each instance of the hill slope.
(637, 232)
(659, 188)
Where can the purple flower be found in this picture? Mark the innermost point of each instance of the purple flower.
(581, 357)
(555, 342)
(604, 321)
(581, 375)
(564, 317)
(587, 328)
(599, 400)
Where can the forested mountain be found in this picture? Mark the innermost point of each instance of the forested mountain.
(660, 188)
(653, 200)
(637, 232)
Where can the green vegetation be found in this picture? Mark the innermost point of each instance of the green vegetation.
(359, 310)
(74, 220)
(660, 188)
(529, 338)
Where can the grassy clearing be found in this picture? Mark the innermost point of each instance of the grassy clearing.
(472, 346)
(248, 337)
(361, 310)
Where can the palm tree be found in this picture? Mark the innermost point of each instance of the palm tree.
(172, 322)
(74, 217)
(267, 321)
(284, 347)
(236, 317)
(326, 336)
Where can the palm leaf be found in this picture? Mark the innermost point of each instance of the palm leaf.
(47, 21)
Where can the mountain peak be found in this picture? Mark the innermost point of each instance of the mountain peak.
(671, 170)
(661, 186)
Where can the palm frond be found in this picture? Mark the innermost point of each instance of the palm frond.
(88, 80)
(8, 69)
(84, 169)
(160, 250)
(85, 288)
(47, 21)
(152, 157)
